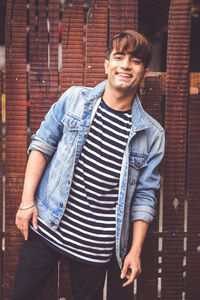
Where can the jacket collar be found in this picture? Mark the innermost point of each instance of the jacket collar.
(139, 118)
(94, 93)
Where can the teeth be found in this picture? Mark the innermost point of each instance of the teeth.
(124, 75)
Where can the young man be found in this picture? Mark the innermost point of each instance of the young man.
(92, 174)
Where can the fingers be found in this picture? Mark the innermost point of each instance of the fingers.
(25, 230)
(23, 218)
(130, 271)
(130, 276)
(22, 224)
(35, 220)
(124, 270)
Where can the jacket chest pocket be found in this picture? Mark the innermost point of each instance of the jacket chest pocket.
(66, 146)
(137, 162)
(71, 127)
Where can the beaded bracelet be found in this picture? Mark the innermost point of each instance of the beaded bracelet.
(26, 207)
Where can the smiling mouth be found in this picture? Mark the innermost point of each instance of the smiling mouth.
(123, 75)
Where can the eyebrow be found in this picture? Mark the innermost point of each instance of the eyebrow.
(119, 53)
(124, 53)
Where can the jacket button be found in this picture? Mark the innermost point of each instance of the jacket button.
(61, 204)
(52, 223)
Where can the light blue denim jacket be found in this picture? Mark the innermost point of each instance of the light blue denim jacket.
(61, 137)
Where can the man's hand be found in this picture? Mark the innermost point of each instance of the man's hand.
(132, 263)
(34, 170)
(22, 220)
(131, 268)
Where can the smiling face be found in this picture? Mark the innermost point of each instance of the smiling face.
(125, 71)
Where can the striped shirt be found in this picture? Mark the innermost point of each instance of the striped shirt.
(87, 229)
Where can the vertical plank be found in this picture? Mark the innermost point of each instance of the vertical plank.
(96, 41)
(176, 119)
(72, 44)
(193, 191)
(15, 130)
(147, 287)
(53, 15)
(152, 96)
(122, 15)
(39, 73)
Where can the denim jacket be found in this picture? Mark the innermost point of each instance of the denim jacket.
(61, 137)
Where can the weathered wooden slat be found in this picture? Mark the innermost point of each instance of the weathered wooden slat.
(96, 43)
(72, 32)
(122, 15)
(176, 119)
(15, 152)
(39, 73)
(193, 191)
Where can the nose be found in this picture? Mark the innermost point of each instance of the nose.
(126, 63)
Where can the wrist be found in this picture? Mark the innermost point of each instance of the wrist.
(26, 207)
(27, 199)
(136, 250)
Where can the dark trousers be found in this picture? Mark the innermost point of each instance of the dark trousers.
(37, 260)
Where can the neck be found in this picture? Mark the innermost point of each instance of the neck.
(118, 100)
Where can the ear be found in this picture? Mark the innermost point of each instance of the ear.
(106, 63)
(146, 72)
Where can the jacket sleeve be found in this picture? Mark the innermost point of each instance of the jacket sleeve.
(47, 136)
(144, 202)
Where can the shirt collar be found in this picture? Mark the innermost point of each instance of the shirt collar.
(139, 118)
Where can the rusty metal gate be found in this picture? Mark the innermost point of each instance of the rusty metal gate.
(52, 45)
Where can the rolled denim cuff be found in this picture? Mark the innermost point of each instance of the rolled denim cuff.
(38, 144)
(144, 213)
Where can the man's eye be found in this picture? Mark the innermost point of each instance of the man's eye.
(118, 57)
(136, 61)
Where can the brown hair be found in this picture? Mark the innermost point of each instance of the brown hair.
(132, 41)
